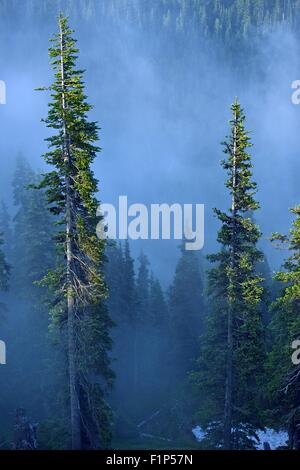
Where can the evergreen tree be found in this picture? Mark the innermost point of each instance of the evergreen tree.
(186, 304)
(270, 288)
(142, 286)
(4, 273)
(30, 374)
(4, 286)
(4, 281)
(33, 247)
(139, 309)
(77, 285)
(5, 240)
(125, 307)
(129, 325)
(158, 309)
(141, 335)
(232, 352)
(122, 304)
(5, 229)
(284, 381)
(22, 178)
(128, 294)
(114, 278)
(159, 344)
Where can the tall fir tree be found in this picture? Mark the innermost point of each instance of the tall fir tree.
(284, 376)
(77, 283)
(232, 350)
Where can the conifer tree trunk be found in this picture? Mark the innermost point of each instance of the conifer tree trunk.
(228, 390)
(235, 316)
(74, 398)
(229, 365)
(76, 285)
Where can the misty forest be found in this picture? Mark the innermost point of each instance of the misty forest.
(143, 344)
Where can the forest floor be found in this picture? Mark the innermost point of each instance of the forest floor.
(152, 443)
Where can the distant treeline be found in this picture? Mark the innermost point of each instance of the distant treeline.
(227, 20)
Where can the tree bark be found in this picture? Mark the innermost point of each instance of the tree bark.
(228, 388)
(229, 363)
(71, 334)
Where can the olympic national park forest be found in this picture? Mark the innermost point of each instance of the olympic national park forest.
(142, 343)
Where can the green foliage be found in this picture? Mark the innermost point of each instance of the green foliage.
(52, 435)
(141, 338)
(284, 384)
(227, 20)
(33, 247)
(234, 288)
(71, 188)
(30, 377)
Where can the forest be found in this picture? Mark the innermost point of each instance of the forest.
(144, 344)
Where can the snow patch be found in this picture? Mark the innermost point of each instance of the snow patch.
(198, 433)
(274, 438)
